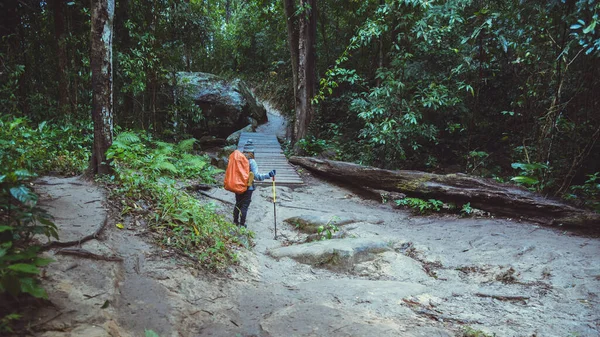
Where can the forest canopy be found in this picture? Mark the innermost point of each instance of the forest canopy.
(495, 88)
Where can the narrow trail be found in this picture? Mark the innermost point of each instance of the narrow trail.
(392, 274)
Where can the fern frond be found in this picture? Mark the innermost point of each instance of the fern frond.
(193, 161)
(165, 166)
(127, 137)
(186, 145)
(164, 148)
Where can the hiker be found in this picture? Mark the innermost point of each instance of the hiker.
(242, 200)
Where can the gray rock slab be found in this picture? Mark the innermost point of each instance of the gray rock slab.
(365, 291)
(320, 320)
(58, 195)
(334, 254)
(234, 138)
(309, 224)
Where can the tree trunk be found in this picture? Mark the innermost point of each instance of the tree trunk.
(292, 34)
(64, 99)
(485, 194)
(306, 69)
(102, 83)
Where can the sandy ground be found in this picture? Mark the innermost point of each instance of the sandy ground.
(434, 275)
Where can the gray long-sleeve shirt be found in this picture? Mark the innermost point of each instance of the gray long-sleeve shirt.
(257, 175)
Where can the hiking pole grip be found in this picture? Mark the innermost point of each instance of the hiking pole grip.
(274, 210)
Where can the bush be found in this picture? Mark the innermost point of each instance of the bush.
(63, 149)
(148, 170)
(20, 220)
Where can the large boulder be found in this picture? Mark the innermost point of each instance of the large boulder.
(227, 106)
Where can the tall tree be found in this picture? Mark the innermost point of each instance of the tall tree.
(103, 12)
(64, 99)
(306, 68)
(292, 34)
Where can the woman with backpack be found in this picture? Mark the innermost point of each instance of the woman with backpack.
(243, 198)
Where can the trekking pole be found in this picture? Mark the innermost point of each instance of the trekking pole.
(274, 210)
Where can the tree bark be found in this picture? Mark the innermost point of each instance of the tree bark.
(306, 69)
(292, 35)
(485, 194)
(64, 99)
(102, 83)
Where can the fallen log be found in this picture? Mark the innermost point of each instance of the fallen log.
(486, 194)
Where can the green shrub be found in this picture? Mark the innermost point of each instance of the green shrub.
(589, 192)
(63, 149)
(20, 220)
(149, 170)
(423, 206)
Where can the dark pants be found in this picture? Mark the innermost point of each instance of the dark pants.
(242, 201)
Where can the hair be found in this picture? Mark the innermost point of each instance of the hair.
(249, 155)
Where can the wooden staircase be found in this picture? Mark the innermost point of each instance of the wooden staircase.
(269, 156)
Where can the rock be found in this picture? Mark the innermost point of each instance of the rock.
(221, 157)
(338, 255)
(226, 106)
(403, 268)
(374, 292)
(234, 138)
(321, 320)
(211, 141)
(430, 332)
(309, 224)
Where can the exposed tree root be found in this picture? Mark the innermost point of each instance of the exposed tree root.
(503, 297)
(87, 254)
(55, 244)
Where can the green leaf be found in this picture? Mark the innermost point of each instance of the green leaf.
(105, 305)
(24, 268)
(150, 333)
(5, 228)
(31, 286)
(590, 27)
(529, 166)
(525, 180)
(186, 145)
(42, 262)
(22, 193)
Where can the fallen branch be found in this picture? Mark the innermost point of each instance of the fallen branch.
(203, 187)
(46, 321)
(216, 198)
(87, 254)
(54, 244)
(501, 199)
(444, 318)
(503, 297)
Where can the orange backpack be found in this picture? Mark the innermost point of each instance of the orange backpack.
(237, 173)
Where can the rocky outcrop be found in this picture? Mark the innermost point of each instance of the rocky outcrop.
(227, 106)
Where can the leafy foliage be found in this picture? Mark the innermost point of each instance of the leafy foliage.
(589, 192)
(21, 219)
(147, 172)
(531, 175)
(45, 147)
(423, 206)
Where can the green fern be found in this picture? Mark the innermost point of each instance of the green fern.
(164, 148)
(193, 161)
(164, 166)
(126, 138)
(186, 145)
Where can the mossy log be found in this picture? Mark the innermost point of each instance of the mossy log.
(486, 194)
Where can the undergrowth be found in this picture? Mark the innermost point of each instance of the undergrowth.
(149, 171)
(60, 148)
(25, 149)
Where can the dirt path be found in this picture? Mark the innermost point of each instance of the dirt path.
(392, 275)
